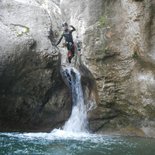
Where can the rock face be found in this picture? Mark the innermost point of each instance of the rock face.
(32, 92)
(118, 48)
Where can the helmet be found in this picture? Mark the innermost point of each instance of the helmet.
(64, 24)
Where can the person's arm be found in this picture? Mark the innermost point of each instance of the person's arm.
(59, 40)
(73, 28)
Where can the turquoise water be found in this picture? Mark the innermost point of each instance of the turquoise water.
(63, 143)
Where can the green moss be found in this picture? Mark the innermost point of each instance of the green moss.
(102, 21)
(150, 110)
(23, 30)
(27, 29)
(135, 55)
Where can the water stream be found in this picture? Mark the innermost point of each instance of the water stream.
(78, 119)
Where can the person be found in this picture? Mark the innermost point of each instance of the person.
(69, 43)
(78, 44)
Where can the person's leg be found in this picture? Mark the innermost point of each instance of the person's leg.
(73, 50)
(69, 59)
(69, 56)
(69, 53)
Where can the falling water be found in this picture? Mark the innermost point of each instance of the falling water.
(78, 119)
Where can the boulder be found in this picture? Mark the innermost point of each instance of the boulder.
(32, 92)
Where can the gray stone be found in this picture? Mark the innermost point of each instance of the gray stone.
(118, 48)
(32, 92)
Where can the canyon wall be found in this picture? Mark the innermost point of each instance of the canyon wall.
(118, 48)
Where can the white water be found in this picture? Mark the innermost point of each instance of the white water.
(78, 119)
(58, 134)
(76, 126)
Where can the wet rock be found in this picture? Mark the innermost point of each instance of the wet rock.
(118, 48)
(32, 92)
(100, 113)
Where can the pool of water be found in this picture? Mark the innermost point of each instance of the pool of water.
(59, 142)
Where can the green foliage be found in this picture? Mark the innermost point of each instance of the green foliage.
(102, 21)
(24, 30)
(135, 55)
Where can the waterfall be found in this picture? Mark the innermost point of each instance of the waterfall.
(78, 119)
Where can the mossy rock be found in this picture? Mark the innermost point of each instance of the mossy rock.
(102, 21)
(135, 55)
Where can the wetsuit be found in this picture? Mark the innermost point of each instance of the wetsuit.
(67, 34)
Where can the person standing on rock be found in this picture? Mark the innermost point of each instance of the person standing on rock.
(69, 43)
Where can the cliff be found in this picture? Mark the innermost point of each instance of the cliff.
(33, 96)
(118, 49)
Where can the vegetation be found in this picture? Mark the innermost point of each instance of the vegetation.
(135, 55)
(102, 21)
(22, 31)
